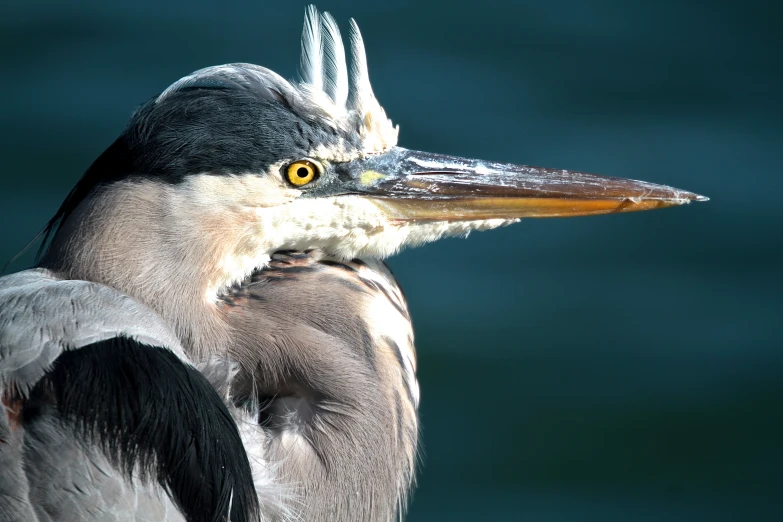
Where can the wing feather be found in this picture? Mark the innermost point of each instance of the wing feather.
(90, 376)
(41, 316)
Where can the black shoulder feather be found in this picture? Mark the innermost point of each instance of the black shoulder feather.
(157, 417)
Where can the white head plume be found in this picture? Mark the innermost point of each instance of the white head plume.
(326, 81)
(335, 67)
(311, 65)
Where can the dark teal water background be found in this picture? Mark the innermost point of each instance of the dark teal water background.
(619, 368)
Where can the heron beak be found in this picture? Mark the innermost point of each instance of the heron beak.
(415, 186)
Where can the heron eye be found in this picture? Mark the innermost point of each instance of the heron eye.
(302, 172)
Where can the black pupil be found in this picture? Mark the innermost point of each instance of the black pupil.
(302, 172)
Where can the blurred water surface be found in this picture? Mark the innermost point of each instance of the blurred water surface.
(609, 368)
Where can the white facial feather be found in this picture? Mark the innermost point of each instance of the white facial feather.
(346, 227)
(239, 221)
(352, 226)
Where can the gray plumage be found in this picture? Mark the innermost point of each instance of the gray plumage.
(42, 315)
(69, 480)
(54, 476)
(320, 379)
(331, 374)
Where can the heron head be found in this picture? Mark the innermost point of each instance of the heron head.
(259, 164)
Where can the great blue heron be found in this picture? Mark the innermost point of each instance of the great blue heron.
(211, 333)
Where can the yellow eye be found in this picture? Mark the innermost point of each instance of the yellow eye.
(302, 172)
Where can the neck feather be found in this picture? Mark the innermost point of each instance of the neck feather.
(131, 236)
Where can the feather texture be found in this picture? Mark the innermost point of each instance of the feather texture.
(311, 65)
(335, 67)
(362, 94)
(347, 99)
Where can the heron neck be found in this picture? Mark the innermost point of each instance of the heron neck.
(338, 389)
(126, 237)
